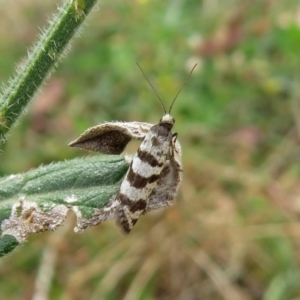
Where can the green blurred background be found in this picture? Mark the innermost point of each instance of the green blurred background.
(234, 232)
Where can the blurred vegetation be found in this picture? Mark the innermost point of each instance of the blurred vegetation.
(234, 232)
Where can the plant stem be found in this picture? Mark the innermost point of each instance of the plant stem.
(41, 60)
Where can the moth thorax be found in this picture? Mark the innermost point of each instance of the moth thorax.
(168, 119)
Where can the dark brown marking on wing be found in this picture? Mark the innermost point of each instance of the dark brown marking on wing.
(160, 153)
(148, 158)
(138, 205)
(133, 207)
(124, 199)
(155, 141)
(122, 220)
(153, 178)
(134, 221)
(139, 181)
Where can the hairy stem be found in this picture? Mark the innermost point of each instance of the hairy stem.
(40, 61)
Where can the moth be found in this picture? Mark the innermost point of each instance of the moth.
(154, 173)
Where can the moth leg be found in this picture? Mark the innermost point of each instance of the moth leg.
(175, 136)
(174, 145)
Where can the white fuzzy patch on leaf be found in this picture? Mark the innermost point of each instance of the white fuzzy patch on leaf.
(26, 218)
(71, 199)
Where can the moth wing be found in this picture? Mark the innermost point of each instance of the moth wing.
(111, 137)
(168, 183)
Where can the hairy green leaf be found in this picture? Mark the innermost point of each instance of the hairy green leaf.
(39, 200)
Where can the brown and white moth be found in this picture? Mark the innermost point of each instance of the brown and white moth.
(155, 171)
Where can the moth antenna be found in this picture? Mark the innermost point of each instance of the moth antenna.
(182, 87)
(153, 89)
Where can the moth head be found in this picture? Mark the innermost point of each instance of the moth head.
(167, 119)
